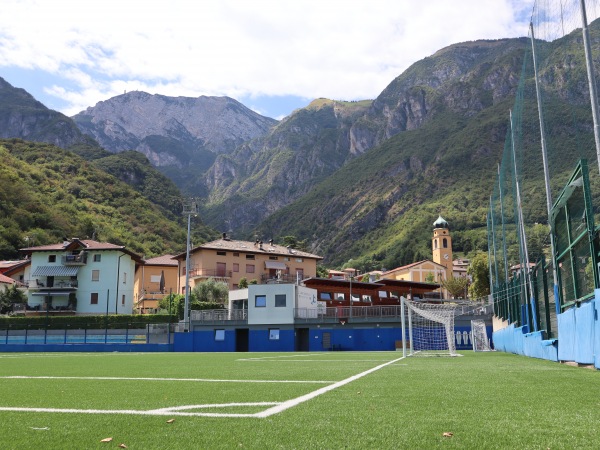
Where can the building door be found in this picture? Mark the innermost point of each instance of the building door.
(302, 339)
(241, 340)
(221, 269)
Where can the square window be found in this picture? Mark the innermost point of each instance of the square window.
(325, 295)
(249, 268)
(95, 275)
(355, 298)
(280, 301)
(219, 335)
(260, 301)
(221, 253)
(249, 256)
(339, 296)
(273, 334)
(94, 298)
(97, 257)
(51, 258)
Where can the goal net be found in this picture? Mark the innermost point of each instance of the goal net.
(429, 329)
(479, 336)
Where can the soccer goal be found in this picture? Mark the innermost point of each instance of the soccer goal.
(428, 329)
(479, 337)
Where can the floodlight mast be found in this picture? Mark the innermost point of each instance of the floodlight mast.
(190, 207)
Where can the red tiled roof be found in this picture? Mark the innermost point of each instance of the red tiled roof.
(6, 280)
(250, 247)
(164, 260)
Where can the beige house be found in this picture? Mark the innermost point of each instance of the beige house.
(231, 260)
(421, 272)
(155, 278)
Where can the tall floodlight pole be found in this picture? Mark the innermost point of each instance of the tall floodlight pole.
(546, 172)
(190, 207)
(591, 78)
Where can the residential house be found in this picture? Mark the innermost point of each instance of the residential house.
(17, 270)
(155, 278)
(231, 260)
(81, 275)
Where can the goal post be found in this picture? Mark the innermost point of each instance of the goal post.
(479, 336)
(427, 329)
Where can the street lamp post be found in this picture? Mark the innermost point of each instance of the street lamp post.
(190, 207)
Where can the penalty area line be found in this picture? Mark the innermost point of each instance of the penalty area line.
(304, 398)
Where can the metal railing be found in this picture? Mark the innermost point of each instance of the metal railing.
(130, 333)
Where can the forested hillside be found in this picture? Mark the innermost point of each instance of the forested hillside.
(50, 193)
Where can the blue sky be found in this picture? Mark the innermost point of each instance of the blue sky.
(272, 56)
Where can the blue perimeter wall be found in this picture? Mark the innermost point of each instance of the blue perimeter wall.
(578, 337)
(348, 338)
(28, 348)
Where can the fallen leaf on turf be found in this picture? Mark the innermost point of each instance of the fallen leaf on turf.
(170, 420)
(106, 440)
(358, 392)
(122, 446)
(448, 434)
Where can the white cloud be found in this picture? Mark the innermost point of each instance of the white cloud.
(308, 48)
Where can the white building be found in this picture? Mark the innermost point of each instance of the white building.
(81, 275)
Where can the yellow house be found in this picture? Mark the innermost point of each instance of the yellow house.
(154, 279)
(231, 260)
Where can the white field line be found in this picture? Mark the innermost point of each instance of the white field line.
(296, 401)
(178, 410)
(203, 380)
(315, 360)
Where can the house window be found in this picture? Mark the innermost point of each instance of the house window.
(97, 257)
(236, 267)
(260, 301)
(95, 275)
(219, 335)
(299, 260)
(94, 298)
(221, 253)
(273, 334)
(445, 243)
(325, 295)
(435, 244)
(51, 258)
(249, 268)
(280, 301)
(339, 296)
(236, 254)
(123, 300)
(382, 294)
(367, 298)
(355, 298)
(274, 258)
(300, 274)
(249, 256)
(124, 277)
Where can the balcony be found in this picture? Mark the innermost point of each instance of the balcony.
(79, 259)
(210, 273)
(42, 284)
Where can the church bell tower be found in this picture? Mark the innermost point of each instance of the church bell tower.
(442, 245)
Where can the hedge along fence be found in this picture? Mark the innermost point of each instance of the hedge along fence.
(84, 322)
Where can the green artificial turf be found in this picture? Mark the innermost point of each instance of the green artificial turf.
(485, 400)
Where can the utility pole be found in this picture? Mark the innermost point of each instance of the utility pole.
(190, 208)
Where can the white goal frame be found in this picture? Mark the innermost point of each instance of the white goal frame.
(479, 336)
(428, 328)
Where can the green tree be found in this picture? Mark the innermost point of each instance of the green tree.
(243, 283)
(322, 271)
(456, 286)
(479, 272)
(293, 242)
(9, 296)
(175, 303)
(430, 278)
(211, 291)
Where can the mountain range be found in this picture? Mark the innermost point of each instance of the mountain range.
(361, 182)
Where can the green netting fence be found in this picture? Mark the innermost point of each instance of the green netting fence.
(543, 209)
